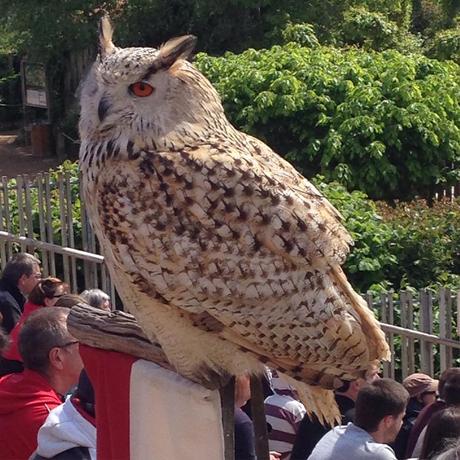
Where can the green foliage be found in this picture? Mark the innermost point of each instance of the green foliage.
(426, 243)
(398, 11)
(408, 246)
(376, 30)
(368, 29)
(445, 45)
(370, 259)
(303, 34)
(44, 30)
(9, 39)
(428, 17)
(383, 123)
(6, 78)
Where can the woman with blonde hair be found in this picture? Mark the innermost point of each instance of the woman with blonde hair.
(45, 294)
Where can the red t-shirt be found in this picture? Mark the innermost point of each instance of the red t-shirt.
(25, 401)
(12, 352)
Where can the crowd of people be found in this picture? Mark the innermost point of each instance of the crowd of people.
(381, 419)
(48, 411)
(46, 399)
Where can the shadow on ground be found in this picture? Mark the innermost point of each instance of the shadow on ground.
(16, 159)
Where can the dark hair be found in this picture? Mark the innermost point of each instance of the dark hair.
(344, 388)
(451, 452)
(85, 393)
(43, 330)
(377, 400)
(46, 289)
(20, 264)
(449, 386)
(4, 340)
(69, 301)
(443, 428)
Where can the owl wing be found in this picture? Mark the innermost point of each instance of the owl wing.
(236, 238)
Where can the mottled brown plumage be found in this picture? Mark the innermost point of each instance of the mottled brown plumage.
(219, 247)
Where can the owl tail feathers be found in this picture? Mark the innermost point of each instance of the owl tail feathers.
(317, 401)
(377, 345)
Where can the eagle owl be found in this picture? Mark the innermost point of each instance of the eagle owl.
(220, 248)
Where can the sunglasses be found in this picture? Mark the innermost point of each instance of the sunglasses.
(68, 344)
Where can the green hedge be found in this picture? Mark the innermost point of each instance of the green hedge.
(445, 45)
(409, 245)
(426, 243)
(384, 123)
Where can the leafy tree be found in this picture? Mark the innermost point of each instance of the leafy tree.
(303, 34)
(409, 245)
(445, 45)
(369, 29)
(384, 123)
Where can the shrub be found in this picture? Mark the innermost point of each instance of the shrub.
(426, 243)
(384, 123)
(370, 259)
(303, 34)
(445, 45)
(369, 29)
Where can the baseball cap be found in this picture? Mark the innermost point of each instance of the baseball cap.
(419, 383)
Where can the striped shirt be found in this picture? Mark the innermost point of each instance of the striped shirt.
(284, 414)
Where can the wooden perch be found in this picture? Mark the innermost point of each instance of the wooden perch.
(119, 331)
(116, 331)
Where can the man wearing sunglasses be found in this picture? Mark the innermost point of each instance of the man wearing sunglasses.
(52, 366)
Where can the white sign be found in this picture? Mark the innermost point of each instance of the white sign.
(36, 98)
(34, 84)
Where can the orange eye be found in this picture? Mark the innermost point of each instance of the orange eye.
(141, 89)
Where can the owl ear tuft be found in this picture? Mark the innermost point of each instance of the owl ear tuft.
(176, 48)
(105, 37)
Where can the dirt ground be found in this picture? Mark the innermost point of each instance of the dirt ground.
(16, 159)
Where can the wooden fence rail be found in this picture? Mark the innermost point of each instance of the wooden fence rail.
(46, 212)
(45, 215)
(421, 330)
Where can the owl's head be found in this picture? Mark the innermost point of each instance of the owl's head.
(153, 97)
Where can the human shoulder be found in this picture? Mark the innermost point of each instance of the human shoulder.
(381, 451)
(287, 403)
(6, 299)
(295, 406)
(75, 453)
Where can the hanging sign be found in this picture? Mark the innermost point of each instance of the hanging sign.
(35, 91)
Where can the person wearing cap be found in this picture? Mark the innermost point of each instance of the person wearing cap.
(422, 391)
(449, 393)
(283, 412)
